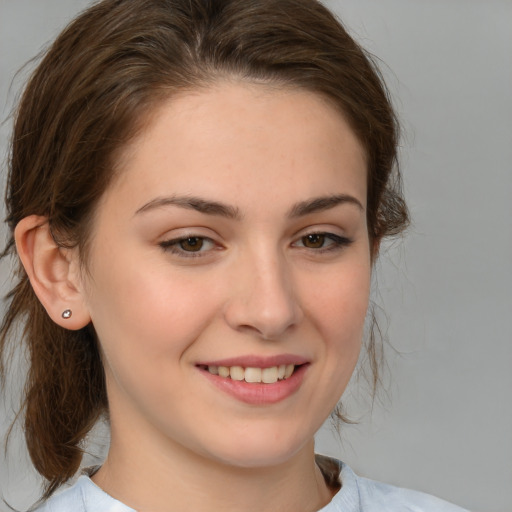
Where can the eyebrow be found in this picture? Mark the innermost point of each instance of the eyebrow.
(315, 205)
(323, 203)
(193, 203)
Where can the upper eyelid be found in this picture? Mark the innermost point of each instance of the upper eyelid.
(182, 233)
(332, 236)
(188, 232)
(321, 230)
(178, 239)
(167, 238)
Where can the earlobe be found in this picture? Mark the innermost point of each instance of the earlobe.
(52, 272)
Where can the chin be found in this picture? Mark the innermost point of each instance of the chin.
(260, 453)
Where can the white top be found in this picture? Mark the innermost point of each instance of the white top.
(357, 494)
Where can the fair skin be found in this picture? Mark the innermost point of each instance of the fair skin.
(235, 236)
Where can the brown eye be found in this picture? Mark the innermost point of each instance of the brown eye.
(314, 241)
(321, 243)
(189, 246)
(192, 244)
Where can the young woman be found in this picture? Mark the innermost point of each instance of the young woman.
(197, 192)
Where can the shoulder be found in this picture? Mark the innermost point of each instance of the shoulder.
(82, 496)
(375, 494)
(359, 494)
(70, 499)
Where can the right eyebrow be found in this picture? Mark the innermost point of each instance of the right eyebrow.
(193, 203)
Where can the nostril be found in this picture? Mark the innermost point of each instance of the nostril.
(264, 303)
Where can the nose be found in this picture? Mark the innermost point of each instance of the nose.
(263, 299)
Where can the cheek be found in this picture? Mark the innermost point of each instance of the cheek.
(339, 313)
(146, 315)
(341, 303)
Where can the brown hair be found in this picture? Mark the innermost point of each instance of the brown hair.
(93, 91)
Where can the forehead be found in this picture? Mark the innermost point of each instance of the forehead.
(234, 139)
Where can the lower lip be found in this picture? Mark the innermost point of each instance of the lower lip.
(259, 393)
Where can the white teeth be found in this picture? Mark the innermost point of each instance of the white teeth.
(269, 375)
(254, 375)
(223, 371)
(237, 373)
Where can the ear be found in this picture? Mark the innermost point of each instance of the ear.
(53, 272)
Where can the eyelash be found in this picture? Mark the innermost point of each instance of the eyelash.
(173, 246)
(336, 243)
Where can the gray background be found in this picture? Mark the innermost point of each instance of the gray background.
(443, 420)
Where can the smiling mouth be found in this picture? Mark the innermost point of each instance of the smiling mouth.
(253, 375)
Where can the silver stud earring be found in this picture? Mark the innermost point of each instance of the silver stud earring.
(67, 314)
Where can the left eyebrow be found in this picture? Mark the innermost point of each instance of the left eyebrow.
(320, 204)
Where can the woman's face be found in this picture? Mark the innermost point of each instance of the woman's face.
(233, 241)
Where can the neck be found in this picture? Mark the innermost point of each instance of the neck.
(159, 481)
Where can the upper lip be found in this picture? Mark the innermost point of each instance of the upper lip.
(255, 361)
